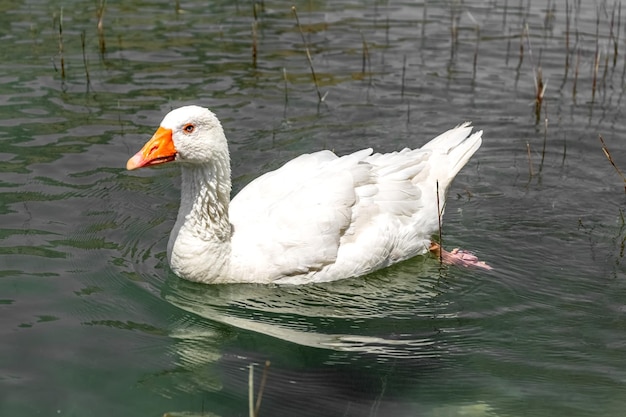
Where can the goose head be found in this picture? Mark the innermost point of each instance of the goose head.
(190, 134)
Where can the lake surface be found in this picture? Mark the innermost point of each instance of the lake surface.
(93, 322)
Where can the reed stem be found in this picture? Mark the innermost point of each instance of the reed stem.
(454, 32)
(605, 149)
(440, 233)
(259, 395)
(576, 68)
(254, 44)
(61, 47)
(596, 59)
(286, 92)
(82, 44)
(251, 390)
(614, 34)
(254, 34)
(545, 138)
(567, 28)
(477, 28)
(403, 76)
(367, 63)
(530, 161)
(308, 56)
(100, 27)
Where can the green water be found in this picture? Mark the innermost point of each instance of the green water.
(92, 321)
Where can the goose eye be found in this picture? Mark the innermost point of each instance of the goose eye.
(189, 128)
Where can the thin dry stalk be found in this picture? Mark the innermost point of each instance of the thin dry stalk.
(364, 54)
(508, 49)
(100, 27)
(568, 15)
(440, 233)
(550, 17)
(504, 14)
(82, 44)
(286, 91)
(564, 151)
(610, 158)
(624, 67)
(606, 72)
(119, 118)
(540, 85)
(617, 32)
(251, 390)
(576, 74)
(367, 63)
(621, 229)
(308, 56)
(540, 89)
(614, 34)
(521, 58)
(545, 138)
(403, 76)
(259, 394)
(594, 81)
(476, 51)
(424, 18)
(254, 44)
(61, 48)
(596, 59)
(254, 33)
(531, 171)
(521, 46)
(477, 27)
(454, 31)
(408, 113)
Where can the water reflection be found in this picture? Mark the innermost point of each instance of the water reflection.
(381, 315)
(339, 348)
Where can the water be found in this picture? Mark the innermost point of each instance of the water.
(93, 322)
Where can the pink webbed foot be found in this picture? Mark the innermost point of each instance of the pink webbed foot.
(458, 257)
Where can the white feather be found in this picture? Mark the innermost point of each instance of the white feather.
(319, 217)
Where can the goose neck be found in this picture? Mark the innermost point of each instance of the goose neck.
(205, 199)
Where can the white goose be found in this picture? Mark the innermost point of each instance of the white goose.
(318, 218)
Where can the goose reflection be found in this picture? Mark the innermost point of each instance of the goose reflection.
(341, 348)
(389, 314)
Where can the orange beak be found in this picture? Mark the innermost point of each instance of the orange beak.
(158, 150)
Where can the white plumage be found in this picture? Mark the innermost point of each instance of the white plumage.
(318, 218)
